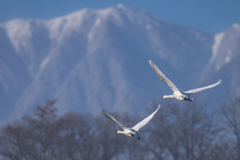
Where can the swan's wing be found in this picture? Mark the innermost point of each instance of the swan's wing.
(109, 116)
(203, 88)
(163, 77)
(145, 121)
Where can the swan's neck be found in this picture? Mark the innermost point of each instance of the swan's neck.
(167, 96)
(120, 132)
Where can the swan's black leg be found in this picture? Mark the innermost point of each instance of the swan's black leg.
(189, 100)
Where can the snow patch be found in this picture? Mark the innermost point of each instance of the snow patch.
(228, 57)
(61, 26)
(148, 27)
(217, 41)
(96, 24)
(18, 31)
(105, 12)
(44, 62)
(98, 21)
(120, 5)
(236, 26)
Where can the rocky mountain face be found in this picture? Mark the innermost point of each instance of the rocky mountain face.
(94, 59)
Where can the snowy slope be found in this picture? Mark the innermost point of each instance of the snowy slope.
(225, 62)
(94, 59)
(14, 77)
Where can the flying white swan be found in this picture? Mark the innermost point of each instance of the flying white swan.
(182, 96)
(131, 132)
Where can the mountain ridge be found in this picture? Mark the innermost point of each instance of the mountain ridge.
(93, 59)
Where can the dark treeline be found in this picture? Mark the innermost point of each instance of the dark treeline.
(191, 131)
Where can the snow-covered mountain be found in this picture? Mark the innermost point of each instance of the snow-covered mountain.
(93, 59)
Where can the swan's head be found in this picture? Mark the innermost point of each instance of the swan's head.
(118, 132)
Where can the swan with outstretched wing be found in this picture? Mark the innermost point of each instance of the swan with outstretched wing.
(131, 132)
(182, 96)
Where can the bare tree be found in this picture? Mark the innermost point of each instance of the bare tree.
(75, 136)
(33, 137)
(231, 121)
(44, 135)
(183, 132)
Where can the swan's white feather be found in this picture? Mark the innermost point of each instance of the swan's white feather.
(163, 77)
(110, 117)
(203, 88)
(145, 121)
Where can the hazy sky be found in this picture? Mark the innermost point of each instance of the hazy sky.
(211, 16)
